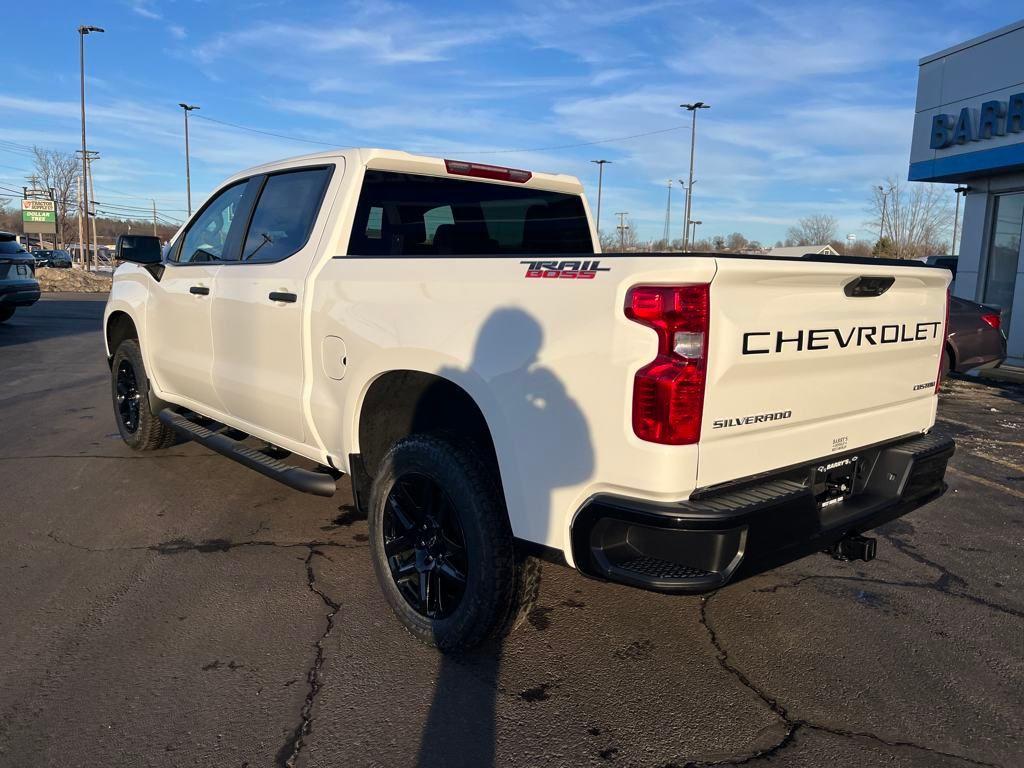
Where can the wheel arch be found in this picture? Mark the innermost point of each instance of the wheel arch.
(119, 326)
(402, 402)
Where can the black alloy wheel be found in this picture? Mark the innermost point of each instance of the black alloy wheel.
(128, 396)
(425, 546)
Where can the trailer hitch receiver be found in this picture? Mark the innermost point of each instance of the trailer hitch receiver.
(854, 548)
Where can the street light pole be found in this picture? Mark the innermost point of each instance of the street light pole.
(956, 216)
(188, 171)
(881, 224)
(600, 177)
(82, 32)
(692, 109)
(693, 227)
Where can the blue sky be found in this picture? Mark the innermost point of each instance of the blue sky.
(812, 102)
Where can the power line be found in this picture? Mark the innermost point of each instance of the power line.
(463, 149)
(271, 133)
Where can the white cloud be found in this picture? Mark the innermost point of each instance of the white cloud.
(144, 9)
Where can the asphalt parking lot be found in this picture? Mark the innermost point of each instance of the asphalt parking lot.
(176, 609)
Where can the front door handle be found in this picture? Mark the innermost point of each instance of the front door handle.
(288, 298)
(199, 290)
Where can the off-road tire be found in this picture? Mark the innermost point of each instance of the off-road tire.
(495, 582)
(6, 313)
(150, 434)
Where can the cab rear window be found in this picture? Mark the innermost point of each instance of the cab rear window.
(402, 214)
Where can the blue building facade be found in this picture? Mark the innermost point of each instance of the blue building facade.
(969, 130)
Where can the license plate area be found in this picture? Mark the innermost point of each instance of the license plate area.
(833, 482)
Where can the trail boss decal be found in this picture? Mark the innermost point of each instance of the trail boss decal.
(755, 419)
(579, 270)
(767, 342)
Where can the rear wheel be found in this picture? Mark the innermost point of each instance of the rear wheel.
(6, 313)
(945, 366)
(140, 428)
(442, 545)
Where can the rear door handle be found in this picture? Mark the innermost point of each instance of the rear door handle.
(199, 290)
(289, 298)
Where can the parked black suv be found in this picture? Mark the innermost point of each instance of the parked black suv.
(57, 259)
(18, 286)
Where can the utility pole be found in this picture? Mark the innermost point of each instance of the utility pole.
(188, 171)
(668, 214)
(600, 177)
(154, 217)
(81, 209)
(82, 32)
(95, 254)
(692, 109)
(59, 234)
(623, 226)
(956, 216)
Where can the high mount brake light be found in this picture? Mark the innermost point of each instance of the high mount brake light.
(668, 392)
(496, 172)
(993, 319)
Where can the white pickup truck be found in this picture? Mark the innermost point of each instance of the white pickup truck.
(449, 336)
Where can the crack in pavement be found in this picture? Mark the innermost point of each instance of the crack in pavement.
(292, 748)
(289, 752)
(794, 724)
(937, 586)
(177, 546)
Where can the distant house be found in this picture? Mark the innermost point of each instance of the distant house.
(800, 250)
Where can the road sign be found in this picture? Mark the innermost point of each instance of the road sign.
(39, 216)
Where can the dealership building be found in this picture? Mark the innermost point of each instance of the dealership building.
(969, 131)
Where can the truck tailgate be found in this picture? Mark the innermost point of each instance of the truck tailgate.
(810, 358)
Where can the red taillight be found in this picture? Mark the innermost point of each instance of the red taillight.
(992, 318)
(668, 392)
(942, 348)
(497, 172)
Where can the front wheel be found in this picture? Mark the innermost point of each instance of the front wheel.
(6, 313)
(140, 428)
(442, 545)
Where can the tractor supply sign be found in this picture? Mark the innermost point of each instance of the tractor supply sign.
(39, 216)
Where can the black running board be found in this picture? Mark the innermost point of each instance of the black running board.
(305, 480)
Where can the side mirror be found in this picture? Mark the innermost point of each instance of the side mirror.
(138, 249)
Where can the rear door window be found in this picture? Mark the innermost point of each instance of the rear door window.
(285, 213)
(403, 214)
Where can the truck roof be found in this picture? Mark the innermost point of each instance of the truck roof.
(405, 162)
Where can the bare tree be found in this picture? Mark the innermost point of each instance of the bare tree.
(4, 202)
(818, 229)
(915, 220)
(58, 171)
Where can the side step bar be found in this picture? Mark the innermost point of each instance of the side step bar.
(307, 481)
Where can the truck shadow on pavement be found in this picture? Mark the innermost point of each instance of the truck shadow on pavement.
(461, 726)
